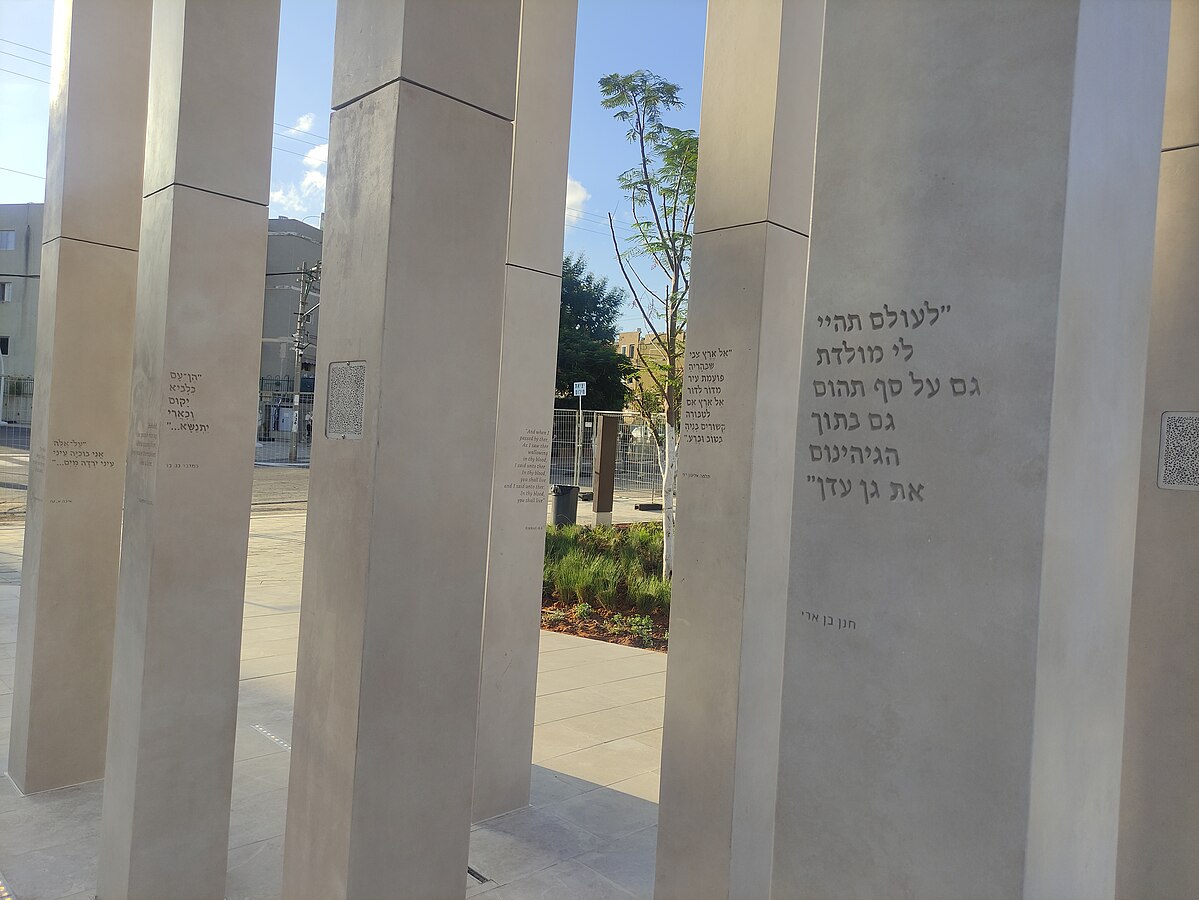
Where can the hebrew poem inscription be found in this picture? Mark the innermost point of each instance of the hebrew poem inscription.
(705, 383)
(873, 390)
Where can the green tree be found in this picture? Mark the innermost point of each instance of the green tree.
(660, 189)
(587, 339)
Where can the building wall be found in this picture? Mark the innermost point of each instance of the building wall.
(640, 348)
(291, 244)
(20, 268)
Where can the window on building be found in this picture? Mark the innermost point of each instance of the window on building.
(5, 291)
(8, 240)
(3, 345)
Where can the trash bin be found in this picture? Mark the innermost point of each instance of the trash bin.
(566, 503)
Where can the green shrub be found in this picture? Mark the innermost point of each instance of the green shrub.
(583, 611)
(606, 566)
(560, 540)
(648, 593)
(569, 576)
(641, 628)
(604, 580)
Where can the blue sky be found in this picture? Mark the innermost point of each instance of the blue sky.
(665, 36)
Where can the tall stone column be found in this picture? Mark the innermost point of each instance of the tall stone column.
(164, 828)
(404, 443)
(736, 459)
(1159, 803)
(970, 398)
(532, 298)
(81, 393)
(969, 432)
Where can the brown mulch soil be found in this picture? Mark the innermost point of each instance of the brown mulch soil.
(558, 616)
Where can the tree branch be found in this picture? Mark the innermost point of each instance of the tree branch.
(633, 290)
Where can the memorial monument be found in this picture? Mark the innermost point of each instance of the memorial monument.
(77, 445)
(973, 346)
(169, 771)
(909, 542)
(1159, 796)
(417, 213)
(524, 415)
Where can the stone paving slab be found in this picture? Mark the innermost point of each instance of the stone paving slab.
(589, 833)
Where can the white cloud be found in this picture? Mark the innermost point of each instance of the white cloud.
(317, 156)
(576, 197)
(313, 183)
(305, 122)
(287, 200)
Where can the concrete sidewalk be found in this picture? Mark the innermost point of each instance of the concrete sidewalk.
(589, 833)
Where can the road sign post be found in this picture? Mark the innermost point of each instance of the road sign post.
(580, 392)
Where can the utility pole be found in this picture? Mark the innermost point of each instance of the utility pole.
(310, 276)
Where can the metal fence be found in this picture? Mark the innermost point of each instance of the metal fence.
(16, 408)
(638, 473)
(284, 430)
(284, 438)
(17, 394)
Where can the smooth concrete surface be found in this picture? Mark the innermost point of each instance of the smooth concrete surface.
(984, 198)
(81, 392)
(377, 44)
(1159, 801)
(728, 606)
(761, 64)
(1181, 128)
(589, 830)
(188, 100)
(97, 121)
(169, 771)
(387, 690)
(532, 298)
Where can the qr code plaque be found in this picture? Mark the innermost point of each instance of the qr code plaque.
(347, 395)
(1178, 464)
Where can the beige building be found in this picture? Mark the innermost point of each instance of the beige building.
(291, 245)
(20, 265)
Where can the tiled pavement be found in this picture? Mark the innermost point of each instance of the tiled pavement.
(588, 835)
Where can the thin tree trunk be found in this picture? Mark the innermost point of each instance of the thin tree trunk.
(670, 477)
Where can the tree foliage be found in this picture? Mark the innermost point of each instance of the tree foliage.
(660, 190)
(586, 339)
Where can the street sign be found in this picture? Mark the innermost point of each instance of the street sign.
(580, 388)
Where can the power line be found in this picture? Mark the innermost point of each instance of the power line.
(19, 172)
(36, 62)
(292, 137)
(588, 230)
(293, 128)
(23, 75)
(292, 152)
(591, 218)
(24, 46)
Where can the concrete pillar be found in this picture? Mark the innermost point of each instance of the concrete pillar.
(532, 298)
(736, 459)
(404, 443)
(1159, 803)
(164, 827)
(603, 468)
(982, 229)
(81, 394)
(970, 397)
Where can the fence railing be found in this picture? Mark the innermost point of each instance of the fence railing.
(284, 438)
(17, 394)
(638, 473)
(284, 433)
